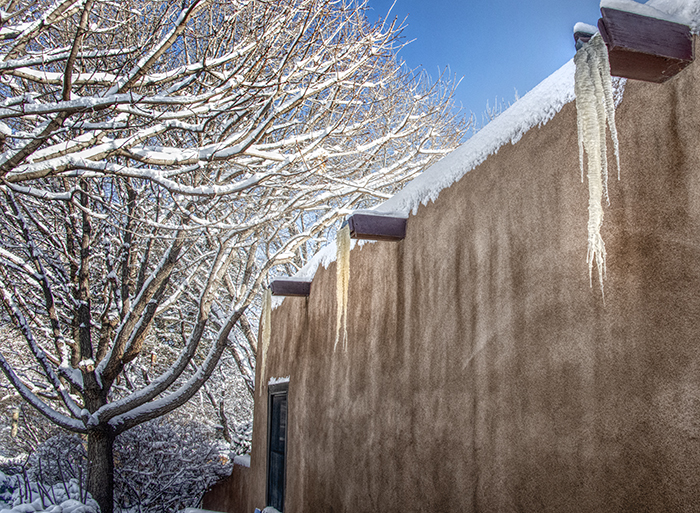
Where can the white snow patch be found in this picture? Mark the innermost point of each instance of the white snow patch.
(585, 28)
(49, 499)
(397, 215)
(197, 510)
(277, 381)
(686, 10)
(68, 506)
(242, 459)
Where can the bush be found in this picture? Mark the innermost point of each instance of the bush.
(163, 467)
(18, 494)
(160, 467)
(58, 460)
(242, 438)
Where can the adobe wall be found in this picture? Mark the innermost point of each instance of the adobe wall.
(483, 373)
(230, 494)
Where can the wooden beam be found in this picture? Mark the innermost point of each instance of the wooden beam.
(581, 37)
(645, 48)
(290, 287)
(377, 227)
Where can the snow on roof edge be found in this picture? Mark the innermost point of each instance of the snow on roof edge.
(685, 12)
(535, 108)
(242, 459)
(585, 28)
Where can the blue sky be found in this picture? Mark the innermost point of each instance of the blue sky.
(498, 46)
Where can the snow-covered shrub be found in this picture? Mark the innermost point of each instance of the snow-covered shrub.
(162, 466)
(60, 459)
(50, 480)
(13, 465)
(30, 497)
(242, 438)
(8, 484)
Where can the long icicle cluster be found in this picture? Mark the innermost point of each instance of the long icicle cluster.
(342, 285)
(266, 324)
(595, 107)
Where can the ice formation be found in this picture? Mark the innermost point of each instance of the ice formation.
(343, 243)
(266, 323)
(595, 107)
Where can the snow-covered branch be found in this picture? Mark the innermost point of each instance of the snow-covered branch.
(158, 160)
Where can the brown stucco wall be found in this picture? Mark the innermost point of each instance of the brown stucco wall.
(483, 373)
(230, 494)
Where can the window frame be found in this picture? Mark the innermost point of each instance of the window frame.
(277, 389)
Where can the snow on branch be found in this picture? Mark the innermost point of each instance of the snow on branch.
(166, 157)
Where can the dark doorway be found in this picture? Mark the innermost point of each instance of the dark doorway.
(277, 445)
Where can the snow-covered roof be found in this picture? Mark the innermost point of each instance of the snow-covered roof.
(535, 108)
(686, 12)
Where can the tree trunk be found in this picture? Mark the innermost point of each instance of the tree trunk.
(100, 474)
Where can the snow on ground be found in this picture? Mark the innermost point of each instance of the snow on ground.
(68, 506)
(16, 497)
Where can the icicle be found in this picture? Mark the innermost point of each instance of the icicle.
(15, 423)
(342, 284)
(265, 326)
(595, 107)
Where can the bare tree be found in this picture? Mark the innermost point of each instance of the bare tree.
(159, 158)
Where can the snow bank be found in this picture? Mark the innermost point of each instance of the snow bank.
(68, 506)
(43, 499)
(686, 12)
(277, 381)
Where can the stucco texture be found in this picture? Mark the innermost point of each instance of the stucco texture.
(483, 373)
